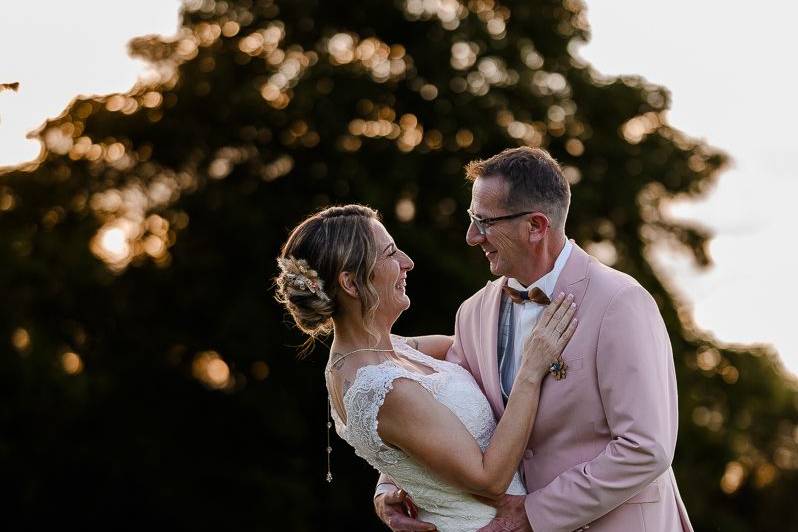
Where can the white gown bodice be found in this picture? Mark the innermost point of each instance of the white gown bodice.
(447, 506)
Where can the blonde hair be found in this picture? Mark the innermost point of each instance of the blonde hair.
(334, 240)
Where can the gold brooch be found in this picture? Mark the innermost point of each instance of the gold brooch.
(558, 369)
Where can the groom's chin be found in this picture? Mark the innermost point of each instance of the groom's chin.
(494, 268)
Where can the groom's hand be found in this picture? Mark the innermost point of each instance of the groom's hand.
(394, 509)
(510, 516)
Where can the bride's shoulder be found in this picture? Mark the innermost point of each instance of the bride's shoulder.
(403, 389)
(375, 377)
(406, 399)
(373, 386)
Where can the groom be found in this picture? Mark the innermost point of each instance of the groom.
(600, 453)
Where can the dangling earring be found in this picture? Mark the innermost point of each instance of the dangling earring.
(329, 447)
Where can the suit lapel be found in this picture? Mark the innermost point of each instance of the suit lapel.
(488, 356)
(573, 279)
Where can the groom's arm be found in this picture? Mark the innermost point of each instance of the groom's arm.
(637, 384)
(434, 345)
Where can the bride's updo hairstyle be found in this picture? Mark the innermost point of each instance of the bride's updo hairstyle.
(334, 240)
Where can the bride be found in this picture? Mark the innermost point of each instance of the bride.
(414, 417)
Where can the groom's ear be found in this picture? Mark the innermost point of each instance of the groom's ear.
(537, 225)
(347, 283)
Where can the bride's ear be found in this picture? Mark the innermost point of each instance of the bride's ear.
(347, 283)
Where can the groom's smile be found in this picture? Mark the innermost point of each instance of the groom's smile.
(502, 242)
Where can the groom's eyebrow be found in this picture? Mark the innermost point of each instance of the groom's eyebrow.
(475, 213)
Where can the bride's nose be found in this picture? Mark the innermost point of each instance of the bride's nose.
(407, 263)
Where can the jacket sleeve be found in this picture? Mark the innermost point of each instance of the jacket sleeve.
(637, 384)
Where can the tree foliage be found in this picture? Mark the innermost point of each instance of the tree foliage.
(148, 375)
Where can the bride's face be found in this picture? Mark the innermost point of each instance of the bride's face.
(390, 274)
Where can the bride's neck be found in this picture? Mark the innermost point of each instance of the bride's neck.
(349, 335)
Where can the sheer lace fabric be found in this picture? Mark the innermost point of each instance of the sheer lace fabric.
(446, 506)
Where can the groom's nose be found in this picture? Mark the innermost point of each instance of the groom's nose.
(473, 236)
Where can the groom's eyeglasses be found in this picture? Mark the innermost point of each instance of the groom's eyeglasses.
(482, 224)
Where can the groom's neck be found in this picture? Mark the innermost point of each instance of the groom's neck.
(541, 260)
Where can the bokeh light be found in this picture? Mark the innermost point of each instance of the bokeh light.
(72, 363)
(209, 368)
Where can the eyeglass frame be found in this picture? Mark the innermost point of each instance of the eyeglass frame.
(483, 224)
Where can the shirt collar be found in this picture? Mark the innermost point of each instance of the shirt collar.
(548, 281)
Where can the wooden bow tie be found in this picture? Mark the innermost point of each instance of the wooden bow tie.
(534, 294)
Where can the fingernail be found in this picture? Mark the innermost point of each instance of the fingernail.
(562, 294)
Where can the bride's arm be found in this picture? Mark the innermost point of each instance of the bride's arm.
(412, 420)
(434, 345)
(425, 429)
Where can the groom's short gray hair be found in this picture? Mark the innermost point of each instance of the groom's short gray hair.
(534, 178)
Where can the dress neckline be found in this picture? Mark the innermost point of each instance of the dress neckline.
(407, 352)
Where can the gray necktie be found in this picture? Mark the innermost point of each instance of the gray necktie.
(504, 349)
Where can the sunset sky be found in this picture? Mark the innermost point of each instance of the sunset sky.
(731, 74)
(726, 64)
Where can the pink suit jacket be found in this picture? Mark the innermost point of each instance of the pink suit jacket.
(604, 437)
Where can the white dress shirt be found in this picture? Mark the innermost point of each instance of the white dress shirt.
(525, 315)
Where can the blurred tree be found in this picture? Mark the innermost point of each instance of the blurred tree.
(148, 377)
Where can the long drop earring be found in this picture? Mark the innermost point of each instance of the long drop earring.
(329, 447)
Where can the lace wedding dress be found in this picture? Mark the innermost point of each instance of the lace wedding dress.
(446, 506)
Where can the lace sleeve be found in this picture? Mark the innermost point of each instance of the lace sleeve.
(363, 401)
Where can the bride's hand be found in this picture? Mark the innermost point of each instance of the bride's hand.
(549, 337)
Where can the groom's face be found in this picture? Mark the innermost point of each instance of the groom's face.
(504, 243)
